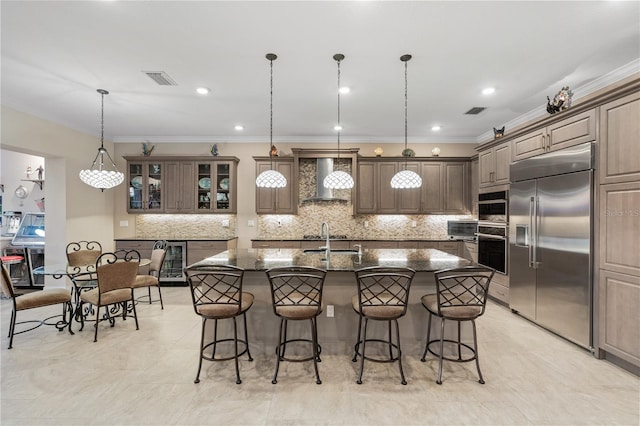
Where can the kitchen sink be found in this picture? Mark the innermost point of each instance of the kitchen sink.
(337, 251)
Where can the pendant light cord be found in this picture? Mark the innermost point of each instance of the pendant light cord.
(102, 122)
(339, 127)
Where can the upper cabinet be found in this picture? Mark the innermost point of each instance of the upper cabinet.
(493, 165)
(619, 136)
(277, 200)
(179, 188)
(562, 134)
(182, 184)
(145, 180)
(445, 187)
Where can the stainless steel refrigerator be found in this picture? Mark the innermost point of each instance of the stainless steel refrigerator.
(550, 241)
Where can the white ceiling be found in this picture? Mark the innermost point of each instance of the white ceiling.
(56, 54)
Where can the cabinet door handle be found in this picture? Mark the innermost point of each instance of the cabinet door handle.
(544, 143)
(548, 142)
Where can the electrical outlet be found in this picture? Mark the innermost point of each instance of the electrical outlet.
(330, 311)
(251, 222)
(414, 223)
(124, 223)
(225, 223)
(366, 223)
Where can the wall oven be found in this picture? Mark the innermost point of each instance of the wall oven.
(493, 207)
(493, 244)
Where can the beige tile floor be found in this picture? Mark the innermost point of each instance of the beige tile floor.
(146, 377)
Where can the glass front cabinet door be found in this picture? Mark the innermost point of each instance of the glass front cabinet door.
(145, 187)
(216, 182)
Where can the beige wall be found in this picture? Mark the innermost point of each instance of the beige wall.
(209, 226)
(75, 211)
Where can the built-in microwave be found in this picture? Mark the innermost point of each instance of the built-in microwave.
(462, 229)
(493, 207)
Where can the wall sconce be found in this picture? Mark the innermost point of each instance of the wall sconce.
(435, 151)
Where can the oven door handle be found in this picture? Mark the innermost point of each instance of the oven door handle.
(493, 237)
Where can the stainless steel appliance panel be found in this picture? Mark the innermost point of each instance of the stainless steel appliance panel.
(522, 281)
(551, 244)
(563, 255)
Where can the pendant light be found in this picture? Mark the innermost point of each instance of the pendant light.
(405, 178)
(338, 179)
(100, 177)
(271, 178)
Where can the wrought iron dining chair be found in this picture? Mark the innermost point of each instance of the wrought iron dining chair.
(461, 296)
(37, 299)
(296, 293)
(152, 279)
(383, 295)
(81, 254)
(216, 292)
(115, 274)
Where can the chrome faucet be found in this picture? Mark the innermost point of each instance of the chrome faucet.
(327, 247)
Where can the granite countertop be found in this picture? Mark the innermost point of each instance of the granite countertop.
(354, 239)
(421, 260)
(176, 239)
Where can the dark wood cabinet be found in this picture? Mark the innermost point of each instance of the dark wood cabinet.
(277, 200)
(445, 187)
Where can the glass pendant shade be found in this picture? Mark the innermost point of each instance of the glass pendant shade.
(406, 179)
(271, 178)
(97, 176)
(338, 180)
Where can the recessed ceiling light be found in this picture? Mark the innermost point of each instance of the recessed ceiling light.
(239, 127)
(488, 91)
(202, 90)
(344, 90)
(435, 128)
(337, 128)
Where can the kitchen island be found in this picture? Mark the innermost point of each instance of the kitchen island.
(336, 334)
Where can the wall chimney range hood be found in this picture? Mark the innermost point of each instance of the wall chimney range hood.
(324, 166)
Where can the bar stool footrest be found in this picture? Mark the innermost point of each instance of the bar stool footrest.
(216, 342)
(471, 357)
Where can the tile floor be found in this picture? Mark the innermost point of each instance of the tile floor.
(146, 377)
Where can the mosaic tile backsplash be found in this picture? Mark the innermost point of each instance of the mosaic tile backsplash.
(177, 226)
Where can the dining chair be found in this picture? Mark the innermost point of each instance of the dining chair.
(152, 279)
(216, 292)
(383, 295)
(296, 293)
(37, 299)
(115, 272)
(461, 296)
(81, 254)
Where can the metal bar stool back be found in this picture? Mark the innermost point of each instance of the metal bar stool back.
(461, 295)
(383, 295)
(216, 292)
(296, 293)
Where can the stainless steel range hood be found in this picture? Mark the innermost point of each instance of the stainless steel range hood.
(324, 166)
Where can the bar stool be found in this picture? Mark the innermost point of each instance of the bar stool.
(296, 292)
(383, 295)
(461, 295)
(216, 292)
(12, 260)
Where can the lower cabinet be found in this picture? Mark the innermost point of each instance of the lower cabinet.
(199, 250)
(619, 298)
(499, 287)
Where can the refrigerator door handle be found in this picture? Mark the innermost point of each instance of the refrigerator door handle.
(532, 232)
(534, 237)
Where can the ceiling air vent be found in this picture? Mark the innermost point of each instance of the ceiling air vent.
(475, 110)
(161, 78)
